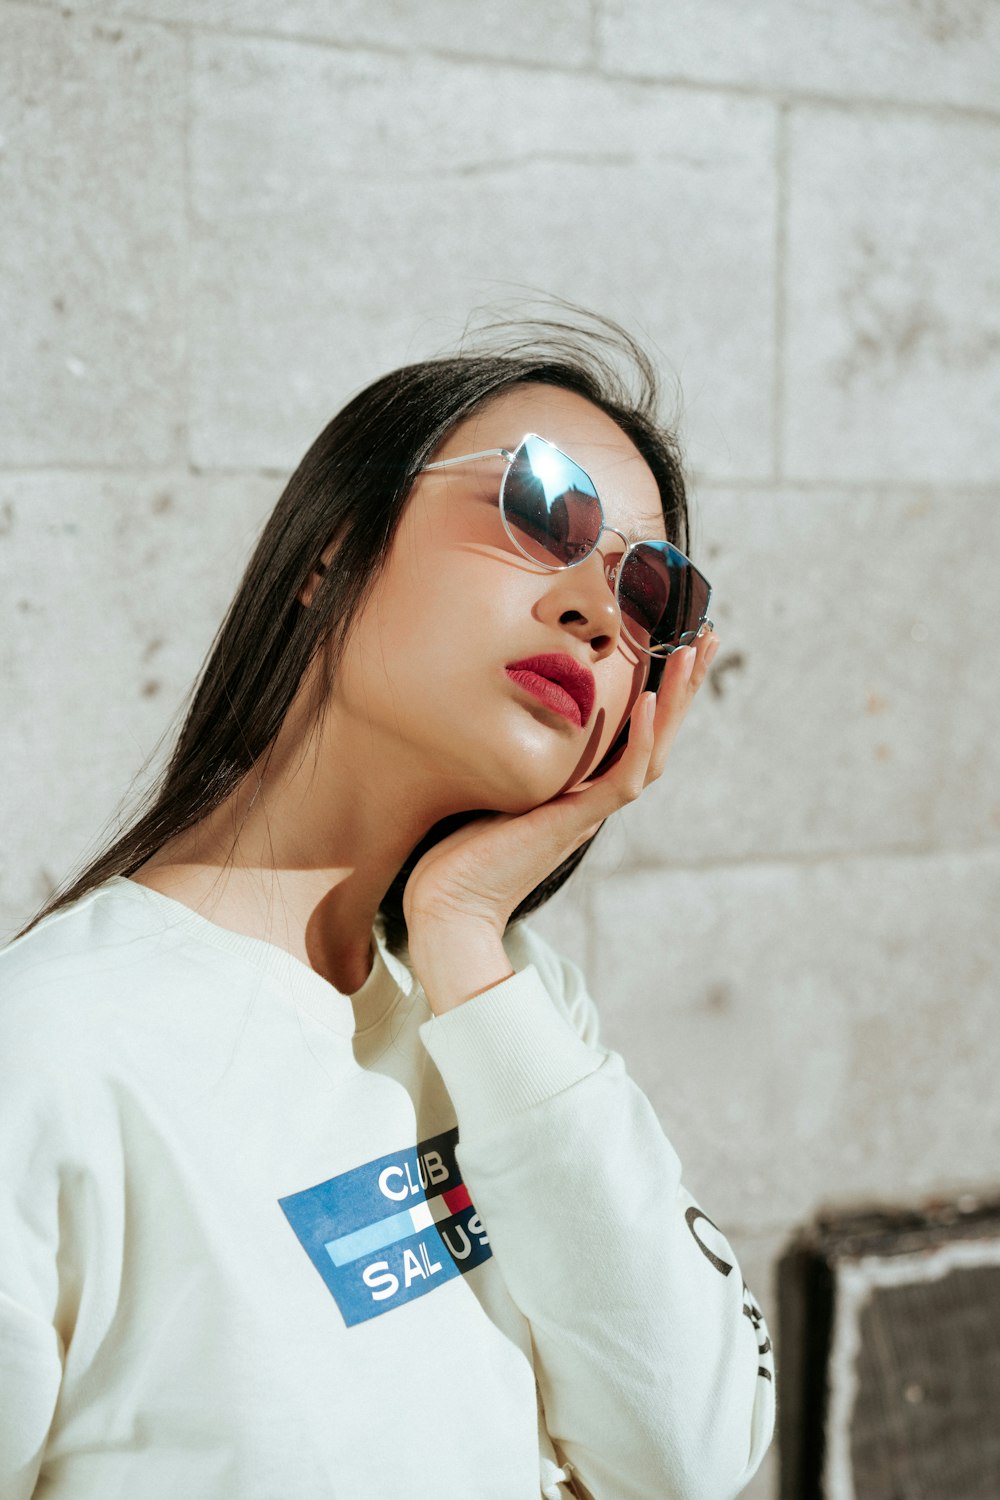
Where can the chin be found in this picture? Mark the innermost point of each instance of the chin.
(542, 786)
(528, 769)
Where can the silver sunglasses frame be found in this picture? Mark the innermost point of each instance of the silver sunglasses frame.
(509, 455)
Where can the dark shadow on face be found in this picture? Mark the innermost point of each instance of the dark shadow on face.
(646, 674)
(586, 754)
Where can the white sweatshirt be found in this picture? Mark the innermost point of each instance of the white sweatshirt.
(262, 1240)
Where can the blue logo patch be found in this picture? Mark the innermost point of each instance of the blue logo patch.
(390, 1230)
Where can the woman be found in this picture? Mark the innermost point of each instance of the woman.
(297, 1008)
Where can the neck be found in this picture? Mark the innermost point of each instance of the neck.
(303, 852)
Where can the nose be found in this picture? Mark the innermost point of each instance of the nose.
(582, 599)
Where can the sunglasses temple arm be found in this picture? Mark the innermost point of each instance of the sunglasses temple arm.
(465, 458)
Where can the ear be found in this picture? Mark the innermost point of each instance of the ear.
(308, 589)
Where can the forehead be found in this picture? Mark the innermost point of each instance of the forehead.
(624, 481)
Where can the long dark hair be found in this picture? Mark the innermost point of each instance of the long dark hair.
(352, 486)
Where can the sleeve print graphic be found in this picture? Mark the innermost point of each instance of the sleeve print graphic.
(390, 1230)
(765, 1369)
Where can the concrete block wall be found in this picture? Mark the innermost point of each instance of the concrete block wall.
(222, 218)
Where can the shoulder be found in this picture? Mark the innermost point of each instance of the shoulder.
(90, 942)
(73, 950)
(72, 987)
(58, 1033)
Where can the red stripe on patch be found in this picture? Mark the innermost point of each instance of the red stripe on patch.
(457, 1198)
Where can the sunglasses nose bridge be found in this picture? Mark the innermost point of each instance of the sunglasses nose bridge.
(615, 532)
(611, 569)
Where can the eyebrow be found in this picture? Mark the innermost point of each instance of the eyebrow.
(648, 535)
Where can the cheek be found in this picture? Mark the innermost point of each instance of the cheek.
(620, 701)
(431, 629)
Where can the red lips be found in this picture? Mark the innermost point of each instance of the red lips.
(573, 691)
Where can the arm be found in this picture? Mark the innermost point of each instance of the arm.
(30, 1372)
(646, 1350)
(31, 1350)
(652, 1357)
(61, 1207)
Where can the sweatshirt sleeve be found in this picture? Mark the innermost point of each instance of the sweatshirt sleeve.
(31, 1350)
(55, 1209)
(652, 1356)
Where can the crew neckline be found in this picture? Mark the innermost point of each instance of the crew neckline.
(387, 982)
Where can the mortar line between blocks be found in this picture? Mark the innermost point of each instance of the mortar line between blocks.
(813, 859)
(946, 110)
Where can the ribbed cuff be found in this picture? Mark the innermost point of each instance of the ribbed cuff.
(506, 1050)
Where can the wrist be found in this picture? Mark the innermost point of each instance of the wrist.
(456, 959)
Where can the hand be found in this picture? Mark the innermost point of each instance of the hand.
(461, 893)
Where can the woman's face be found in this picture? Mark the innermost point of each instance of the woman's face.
(424, 671)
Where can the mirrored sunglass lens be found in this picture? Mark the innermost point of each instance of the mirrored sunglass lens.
(550, 503)
(662, 597)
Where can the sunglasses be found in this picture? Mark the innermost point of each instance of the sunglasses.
(553, 514)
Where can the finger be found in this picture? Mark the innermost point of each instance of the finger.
(707, 644)
(653, 725)
(675, 691)
(678, 674)
(705, 647)
(625, 778)
(676, 694)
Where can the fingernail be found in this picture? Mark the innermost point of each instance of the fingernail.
(689, 655)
